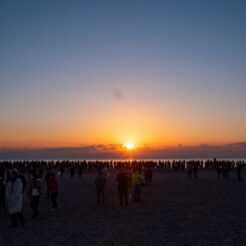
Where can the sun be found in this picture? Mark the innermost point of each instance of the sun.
(130, 146)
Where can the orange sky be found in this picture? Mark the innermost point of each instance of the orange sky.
(119, 123)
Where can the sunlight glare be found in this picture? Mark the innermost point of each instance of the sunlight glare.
(130, 146)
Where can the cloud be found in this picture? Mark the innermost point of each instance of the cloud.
(108, 147)
(240, 144)
(116, 151)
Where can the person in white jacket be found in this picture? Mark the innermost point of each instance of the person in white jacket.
(14, 195)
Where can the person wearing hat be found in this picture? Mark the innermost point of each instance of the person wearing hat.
(14, 198)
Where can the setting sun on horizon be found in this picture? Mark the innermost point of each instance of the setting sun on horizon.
(136, 76)
(130, 146)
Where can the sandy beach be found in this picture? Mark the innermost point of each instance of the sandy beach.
(207, 211)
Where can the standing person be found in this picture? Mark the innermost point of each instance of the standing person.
(35, 192)
(150, 174)
(47, 177)
(195, 170)
(2, 196)
(239, 171)
(2, 171)
(146, 176)
(14, 195)
(100, 182)
(218, 167)
(72, 172)
(137, 181)
(123, 184)
(53, 190)
(80, 171)
(189, 171)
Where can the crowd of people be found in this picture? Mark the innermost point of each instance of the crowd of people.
(26, 177)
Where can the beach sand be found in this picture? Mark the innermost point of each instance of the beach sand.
(207, 211)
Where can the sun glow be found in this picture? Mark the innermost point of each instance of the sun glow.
(130, 146)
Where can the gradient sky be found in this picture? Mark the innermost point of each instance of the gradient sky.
(104, 72)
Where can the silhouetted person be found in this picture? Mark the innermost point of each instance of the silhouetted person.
(195, 170)
(123, 183)
(189, 172)
(14, 191)
(226, 170)
(148, 175)
(100, 182)
(218, 171)
(80, 171)
(137, 182)
(239, 171)
(47, 177)
(35, 193)
(53, 190)
(72, 171)
(2, 197)
(2, 170)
